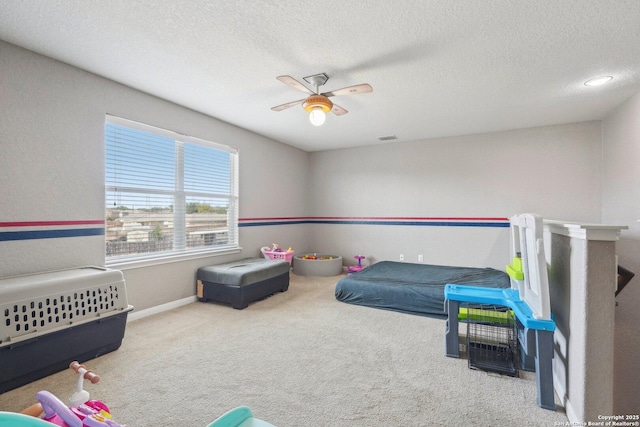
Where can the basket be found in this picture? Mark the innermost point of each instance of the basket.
(280, 255)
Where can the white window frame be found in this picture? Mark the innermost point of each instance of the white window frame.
(180, 251)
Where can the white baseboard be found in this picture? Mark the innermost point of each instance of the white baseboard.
(136, 315)
(571, 414)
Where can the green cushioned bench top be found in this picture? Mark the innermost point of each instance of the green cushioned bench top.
(243, 272)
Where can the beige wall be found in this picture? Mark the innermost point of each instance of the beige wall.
(621, 205)
(553, 171)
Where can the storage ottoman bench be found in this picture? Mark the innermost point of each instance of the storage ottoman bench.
(241, 282)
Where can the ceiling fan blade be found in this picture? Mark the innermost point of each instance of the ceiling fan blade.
(338, 110)
(350, 90)
(287, 105)
(295, 84)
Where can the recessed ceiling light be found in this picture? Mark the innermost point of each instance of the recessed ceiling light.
(597, 81)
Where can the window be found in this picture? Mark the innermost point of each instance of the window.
(167, 194)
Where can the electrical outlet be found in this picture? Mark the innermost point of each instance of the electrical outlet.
(420, 258)
(401, 257)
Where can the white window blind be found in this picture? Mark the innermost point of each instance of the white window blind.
(167, 194)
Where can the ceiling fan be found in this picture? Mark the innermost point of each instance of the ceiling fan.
(318, 104)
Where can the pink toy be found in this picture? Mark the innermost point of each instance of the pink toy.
(277, 253)
(81, 411)
(356, 268)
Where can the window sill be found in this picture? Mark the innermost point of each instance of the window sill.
(159, 260)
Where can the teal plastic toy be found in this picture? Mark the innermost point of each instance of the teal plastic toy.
(12, 419)
(239, 417)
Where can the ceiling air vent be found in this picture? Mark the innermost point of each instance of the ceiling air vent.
(387, 138)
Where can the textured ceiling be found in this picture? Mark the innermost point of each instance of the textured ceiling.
(437, 67)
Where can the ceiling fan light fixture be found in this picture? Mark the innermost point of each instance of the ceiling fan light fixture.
(317, 117)
(317, 101)
(317, 106)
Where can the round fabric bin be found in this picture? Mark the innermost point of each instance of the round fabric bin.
(317, 265)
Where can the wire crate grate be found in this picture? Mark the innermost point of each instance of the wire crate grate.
(492, 339)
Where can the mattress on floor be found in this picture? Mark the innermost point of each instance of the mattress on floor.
(412, 288)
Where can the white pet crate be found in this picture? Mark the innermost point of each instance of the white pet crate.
(49, 319)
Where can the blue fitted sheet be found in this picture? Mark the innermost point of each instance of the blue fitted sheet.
(412, 288)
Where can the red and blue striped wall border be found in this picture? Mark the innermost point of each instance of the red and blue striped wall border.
(29, 230)
(379, 220)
